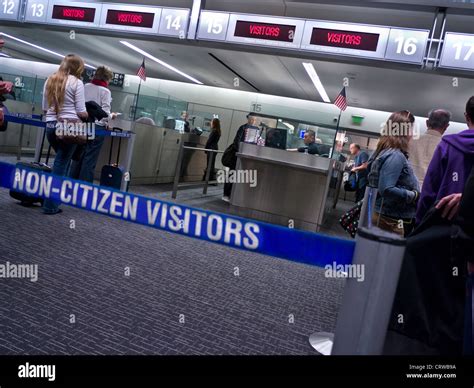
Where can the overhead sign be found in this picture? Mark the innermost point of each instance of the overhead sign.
(406, 45)
(9, 9)
(174, 22)
(213, 25)
(265, 30)
(74, 13)
(458, 51)
(130, 18)
(36, 11)
(345, 39)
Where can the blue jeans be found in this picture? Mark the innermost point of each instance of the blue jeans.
(83, 169)
(61, 161)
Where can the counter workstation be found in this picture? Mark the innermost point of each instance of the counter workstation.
(291, 189)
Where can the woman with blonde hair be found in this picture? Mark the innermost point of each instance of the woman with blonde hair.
(392, 174)
(63, 101)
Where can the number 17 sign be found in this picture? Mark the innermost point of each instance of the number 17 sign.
(458, 51)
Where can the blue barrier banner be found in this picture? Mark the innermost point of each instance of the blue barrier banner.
(300, 246)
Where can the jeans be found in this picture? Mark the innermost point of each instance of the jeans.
(360, 190)
(61, 162)
(83, 169)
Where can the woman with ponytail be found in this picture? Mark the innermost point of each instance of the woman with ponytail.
(63, 101)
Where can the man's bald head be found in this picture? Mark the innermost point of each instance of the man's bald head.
(438, 119)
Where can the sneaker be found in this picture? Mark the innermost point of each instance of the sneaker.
(49, 212)
(226, 198)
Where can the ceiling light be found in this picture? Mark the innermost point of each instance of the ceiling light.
(39, 47)
(168, 66)
(316, 81)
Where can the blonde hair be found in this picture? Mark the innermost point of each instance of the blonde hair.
(56, 84)
(104, 73)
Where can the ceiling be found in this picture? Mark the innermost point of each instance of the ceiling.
(373, 85)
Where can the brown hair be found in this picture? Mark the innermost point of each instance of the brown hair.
(103, 73)
(396, 132)
(56, 84)
(216, 124)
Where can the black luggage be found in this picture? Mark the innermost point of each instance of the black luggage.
(27, 199)
(112, 174)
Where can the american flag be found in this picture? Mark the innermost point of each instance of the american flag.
(142, 71)
(341, 101)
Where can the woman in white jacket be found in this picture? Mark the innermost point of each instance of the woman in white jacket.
(97, 91)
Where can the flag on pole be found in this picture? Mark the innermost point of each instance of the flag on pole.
(341, 101)
(142, 71)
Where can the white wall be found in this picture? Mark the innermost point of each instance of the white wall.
(207, 97)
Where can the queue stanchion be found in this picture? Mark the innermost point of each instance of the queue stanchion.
(366, 307)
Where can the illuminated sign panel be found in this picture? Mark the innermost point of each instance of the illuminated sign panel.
(67, 13)
(279, 32)
(260, 30)
(79, 14)
(130, 18)
(126, 18)
(346, 39)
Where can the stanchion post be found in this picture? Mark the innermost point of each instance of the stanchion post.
(178, 171)
(367, 305)
(208, 172)
(20, 141)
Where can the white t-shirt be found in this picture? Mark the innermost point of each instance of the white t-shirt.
(101, 96)
(74, 101)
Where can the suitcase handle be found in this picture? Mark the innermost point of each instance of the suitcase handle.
(115, 129)
(41, 148)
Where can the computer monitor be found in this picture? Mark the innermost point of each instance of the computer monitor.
(276, 138)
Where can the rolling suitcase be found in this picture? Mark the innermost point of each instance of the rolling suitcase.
(112, 174)
(26, 199)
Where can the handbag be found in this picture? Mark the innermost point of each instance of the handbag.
(73, 137)
(351, 183)
(229, 157)
(350, 220)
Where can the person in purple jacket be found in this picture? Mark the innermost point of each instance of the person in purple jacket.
(449, 169)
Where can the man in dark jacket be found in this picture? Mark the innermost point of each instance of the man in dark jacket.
(239, 136)
(451, 164)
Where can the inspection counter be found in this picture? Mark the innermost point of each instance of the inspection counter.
(291, 187)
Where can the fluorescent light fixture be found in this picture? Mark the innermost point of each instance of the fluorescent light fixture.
(5, 55)
(316, 81)
(168, 66)
(39, 47)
